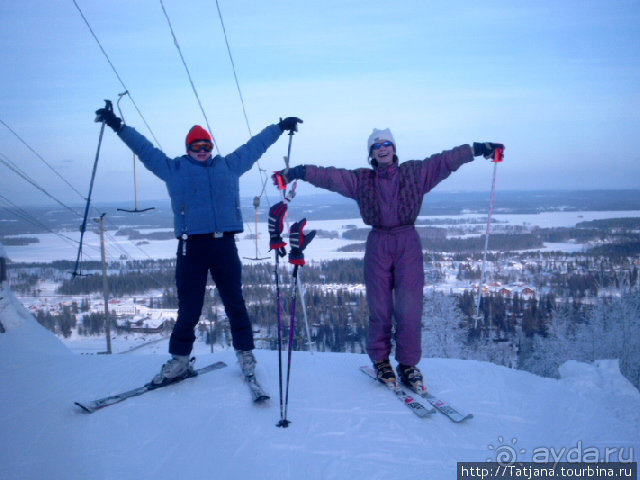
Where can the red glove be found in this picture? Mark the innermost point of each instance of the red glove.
(277, 214)
(279, 180)
(299, 242)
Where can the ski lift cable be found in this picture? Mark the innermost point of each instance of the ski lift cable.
(264, 178)
(233, 67)
(26, 216)
(184, 63)
(84, 18)
(7, 162)
(41, 158)
(11, 166)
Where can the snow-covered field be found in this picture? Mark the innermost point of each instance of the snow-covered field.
(344, 426)
(53, 247)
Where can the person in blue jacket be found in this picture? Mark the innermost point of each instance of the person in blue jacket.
(205, 199)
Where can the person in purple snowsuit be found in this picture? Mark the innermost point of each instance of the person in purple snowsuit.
(390, 197)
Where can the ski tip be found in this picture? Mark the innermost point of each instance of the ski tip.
(83, 408)
(459, 417)
(468, 416)
(262, 399)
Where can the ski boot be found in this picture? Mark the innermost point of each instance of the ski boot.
(177, 368)
(247, 362)
(411, 377)
(384, 372)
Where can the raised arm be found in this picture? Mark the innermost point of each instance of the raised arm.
(152, 158)
(243, 158)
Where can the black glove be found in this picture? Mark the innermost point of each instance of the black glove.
(289, 123)
(283, 177)
(107, 116)
(299, 241)
(486, 149)
(276, 224)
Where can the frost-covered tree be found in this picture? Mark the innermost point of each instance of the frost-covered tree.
(610, 329)
(442, 335)
(613, 331)
(543, 355)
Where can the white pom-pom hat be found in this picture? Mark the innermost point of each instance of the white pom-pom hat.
(378, 136)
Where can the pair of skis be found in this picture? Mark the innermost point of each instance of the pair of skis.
(257, 392)
(259, 395)
(417, 407)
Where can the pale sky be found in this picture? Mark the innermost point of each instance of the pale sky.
(557, 81)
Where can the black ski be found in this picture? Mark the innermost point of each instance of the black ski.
(415, 406)
(93, 405)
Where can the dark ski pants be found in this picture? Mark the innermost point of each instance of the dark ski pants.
(394, 279)
(205, 254)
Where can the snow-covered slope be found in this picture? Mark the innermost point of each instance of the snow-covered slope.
(344, 426)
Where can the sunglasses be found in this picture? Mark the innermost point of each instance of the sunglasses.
(378, 146)
(198, 147)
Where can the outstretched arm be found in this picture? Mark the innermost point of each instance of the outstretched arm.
(337, 180)
(439, 166)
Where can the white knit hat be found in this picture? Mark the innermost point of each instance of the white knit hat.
(378, 136)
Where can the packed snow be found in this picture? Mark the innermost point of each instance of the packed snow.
(344, 425)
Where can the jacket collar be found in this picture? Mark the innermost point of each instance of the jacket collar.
(388, 170)
(208, 163)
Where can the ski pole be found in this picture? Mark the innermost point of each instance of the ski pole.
(282, 185)
(83, 227)
(304, 313)
(498, 157)
(277, 214)
(284, 422)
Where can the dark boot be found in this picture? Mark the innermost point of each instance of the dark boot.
(410, 376)
(384, 371)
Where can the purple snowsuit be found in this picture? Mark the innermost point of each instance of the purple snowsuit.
(390, 198)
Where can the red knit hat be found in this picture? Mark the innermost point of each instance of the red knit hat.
(198, 133)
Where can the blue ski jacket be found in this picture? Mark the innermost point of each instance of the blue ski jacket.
(205, 197)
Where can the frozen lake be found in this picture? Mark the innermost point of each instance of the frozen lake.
(64, 247)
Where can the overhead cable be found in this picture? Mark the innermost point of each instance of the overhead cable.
(193, 87)
(40, 157)
(13, 167)
(116, 72)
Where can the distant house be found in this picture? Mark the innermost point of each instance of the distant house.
(505, 292)
(151, 321)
